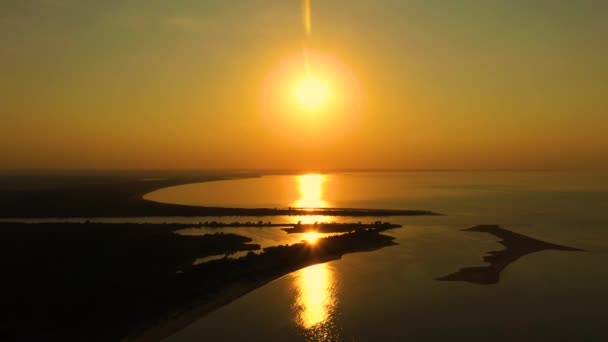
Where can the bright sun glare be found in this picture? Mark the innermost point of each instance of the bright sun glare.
(311, 191)
(311, 101)
(311, 237)
(311, 92)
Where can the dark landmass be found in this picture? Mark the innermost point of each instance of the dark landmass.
(68, 281)
(233, 278)
(336, 227)
(103, 282)
(516, 246)
(106, 194)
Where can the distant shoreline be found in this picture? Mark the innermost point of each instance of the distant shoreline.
(114, 196)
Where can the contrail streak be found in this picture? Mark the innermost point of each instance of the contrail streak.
(307, 17)
(307, 21)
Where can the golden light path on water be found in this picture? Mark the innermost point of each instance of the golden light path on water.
(316, 291)
(310, 187)
(316, 300)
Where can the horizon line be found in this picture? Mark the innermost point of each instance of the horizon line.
(295, 170)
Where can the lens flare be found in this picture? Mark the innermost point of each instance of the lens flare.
(306, 17)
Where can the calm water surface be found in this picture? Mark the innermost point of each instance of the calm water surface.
(391, 294)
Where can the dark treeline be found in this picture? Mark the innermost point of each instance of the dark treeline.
(337, 227)
(212, 280)
(93, 281)
(320, 227)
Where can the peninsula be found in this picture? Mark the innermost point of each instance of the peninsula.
(516, 246)
(135, 277)
(122, 195)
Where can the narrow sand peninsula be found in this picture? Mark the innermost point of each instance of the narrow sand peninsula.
(516, 246)
(123, 196)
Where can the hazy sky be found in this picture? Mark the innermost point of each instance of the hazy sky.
(180, 84)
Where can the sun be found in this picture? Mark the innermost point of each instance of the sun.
(311, 102)
(311, 92)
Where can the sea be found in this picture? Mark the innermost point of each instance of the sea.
(394, 294)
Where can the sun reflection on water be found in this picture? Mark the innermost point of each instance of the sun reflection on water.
(311, 237)
(316, 301)
(310, 187)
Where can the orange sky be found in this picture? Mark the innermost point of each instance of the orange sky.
(412, 85)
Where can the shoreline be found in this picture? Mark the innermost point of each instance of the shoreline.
(195, 311)
(79, 274)
(224, 212)
(116, 197)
